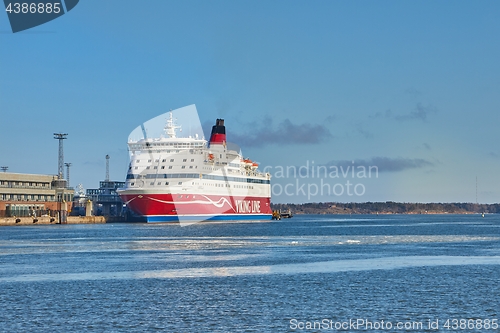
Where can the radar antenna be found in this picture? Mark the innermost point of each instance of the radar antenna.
(171, 126)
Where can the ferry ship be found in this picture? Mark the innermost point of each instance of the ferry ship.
(189, 179)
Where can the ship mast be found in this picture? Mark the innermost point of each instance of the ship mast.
(171, 127)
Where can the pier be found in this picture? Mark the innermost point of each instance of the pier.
(12, 221)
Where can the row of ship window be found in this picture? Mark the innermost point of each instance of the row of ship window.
(236, 165)
(162, 144)
(163, 151)
(163, 167)
(205, 184)
(164, 160)
(170, 167)
(195, 175)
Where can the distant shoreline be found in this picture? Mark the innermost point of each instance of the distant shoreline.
(388, 208)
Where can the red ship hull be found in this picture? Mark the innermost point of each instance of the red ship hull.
(174, 207)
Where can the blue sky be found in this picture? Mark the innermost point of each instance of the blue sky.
(412, 87)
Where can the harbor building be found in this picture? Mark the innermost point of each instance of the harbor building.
(32, 194)
(106, 201)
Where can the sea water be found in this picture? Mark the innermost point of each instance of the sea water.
(311, 273)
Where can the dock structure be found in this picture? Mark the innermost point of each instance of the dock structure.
(105, 200)
(19, 221)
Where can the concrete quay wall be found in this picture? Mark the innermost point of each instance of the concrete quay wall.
(6, 221)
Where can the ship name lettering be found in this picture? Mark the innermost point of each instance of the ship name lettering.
(248, 206)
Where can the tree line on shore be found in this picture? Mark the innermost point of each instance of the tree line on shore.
(388, 207)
